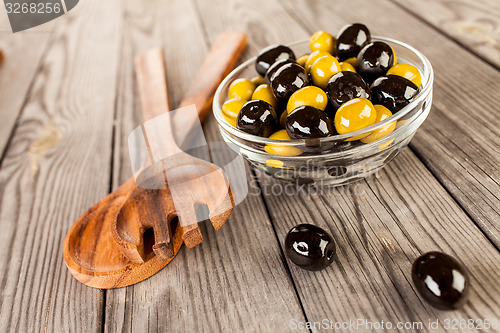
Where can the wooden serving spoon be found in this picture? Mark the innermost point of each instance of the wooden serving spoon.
(97, 258)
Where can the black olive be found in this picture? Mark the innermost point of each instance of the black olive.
(374, 60)
(345, 86)
(288, 79)
(441, 280)
(270, 55)
(310, 247)
(351, 39)
(274, 67)
(393, 91)
(306, 122)
(258, 118)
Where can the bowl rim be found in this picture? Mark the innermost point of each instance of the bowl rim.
(420, 97)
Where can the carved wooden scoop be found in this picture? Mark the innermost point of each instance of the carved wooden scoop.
(111, 245)
(175, 185)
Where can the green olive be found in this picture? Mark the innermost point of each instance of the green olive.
(302, 60)
(264, 92)
(346, 67)
(382, 114)
(395, 57)
(257, 80)
(407, 71)
(231, 108)
(241, 89)
(310, 95)
(322, 41)
(354, 115)
(313, 56)
(352, 61)
(283, 119)
(323, 69)
(283, 150)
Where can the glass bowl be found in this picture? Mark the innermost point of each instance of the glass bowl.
(334, 160)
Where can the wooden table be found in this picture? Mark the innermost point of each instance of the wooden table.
(68, 100)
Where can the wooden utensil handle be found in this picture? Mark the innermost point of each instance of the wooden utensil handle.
(220, 61)
(151, 78)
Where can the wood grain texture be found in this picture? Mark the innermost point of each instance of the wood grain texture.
(221, 285)
(460, 140)
(17, 71)
(56, 167)
(474, 24)
(381, 225)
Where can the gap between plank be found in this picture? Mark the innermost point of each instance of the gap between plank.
(444, 33)
(103, 311)
(283, 258)
(119, 64)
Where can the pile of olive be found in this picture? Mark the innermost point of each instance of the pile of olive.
(345, 84)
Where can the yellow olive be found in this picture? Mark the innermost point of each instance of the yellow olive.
(241, 89)
(310, 95)
(231, 108)
(264, 92)
(257, 80)
(385, 144)
(323, 69)
(351, 61)
(276, 164)
(313, 56)
(407, 71)
(282, 150)
(322, 41)
(354, 115)
(382, 114)
(347, 67)
(302, 60)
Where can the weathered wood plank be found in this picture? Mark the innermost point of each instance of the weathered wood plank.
(386, 223)
(474, 24)
(57, 166)
(235, 280)
(17, 72)
(460, 141)
(381, 226)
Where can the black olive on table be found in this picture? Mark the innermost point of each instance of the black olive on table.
(270, 55)
(288, 79)
(374, 60)
(307, 122)
(274, 67)
(310, 247)
(441, 280)
(393, 91)
(351, 39)
(258, 118)
(345, 86)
